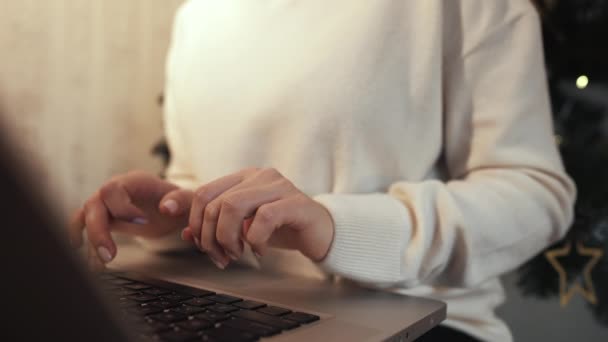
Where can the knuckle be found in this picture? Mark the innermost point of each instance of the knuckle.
(285, 183)
(231, 204)
(271, 172)
(265, 214)
(107, 189)
(250, 170)
(203, 195)
(301, 198)
(212, 212)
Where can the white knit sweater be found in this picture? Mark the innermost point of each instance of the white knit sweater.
(423, 126)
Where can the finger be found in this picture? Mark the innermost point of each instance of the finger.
(187, 234)
(176, 202)
(207, 240)
(269, 218)
(207, 193)
(117, 200)
(97, 222)
(237, 205)
(95, 264)
(76, 226)
(144, 185)
(246, 224)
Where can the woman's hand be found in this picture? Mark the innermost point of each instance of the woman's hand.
(259, 207)
(135, 203)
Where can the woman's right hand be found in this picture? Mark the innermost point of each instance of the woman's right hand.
(136, 203)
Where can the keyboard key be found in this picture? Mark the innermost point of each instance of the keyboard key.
(106, 276)
(169, 317)
(223, 299)
(187, 309)
(197, 292)
(142, 297)
(266, 319)
(249, 305)
(206, 338)
(222, 308)
(137, 286)
(224, 333)
(274, 311)
(144, 310)
(127, 304)
(117, 274)
(157, 291)
(155, 326)
(173, 312)
(178, 336)
(109, 287)
(144, 336)
(123, 292)
(176, 297)
(257, 329)
(119, 281)
(163, 304)
(212, 317)
(194, 325)
(301, 317)
(198, 302)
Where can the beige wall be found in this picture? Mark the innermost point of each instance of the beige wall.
(78, 84)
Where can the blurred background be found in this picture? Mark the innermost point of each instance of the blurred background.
(80, 83)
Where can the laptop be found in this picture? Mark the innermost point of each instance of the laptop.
(179, 296)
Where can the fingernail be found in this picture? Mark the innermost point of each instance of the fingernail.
(257, 254)
(104, 254)
(198, 243)
(217, 263)
(139, 220)
(171, 206)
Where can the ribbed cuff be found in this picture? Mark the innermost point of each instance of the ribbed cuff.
(371, 233)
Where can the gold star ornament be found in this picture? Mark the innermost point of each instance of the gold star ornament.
(586, 289)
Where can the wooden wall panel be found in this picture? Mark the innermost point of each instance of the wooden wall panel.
(79, 81)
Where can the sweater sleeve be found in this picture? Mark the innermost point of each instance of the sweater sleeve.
(506, 197)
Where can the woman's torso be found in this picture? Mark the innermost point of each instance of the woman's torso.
(342, 96)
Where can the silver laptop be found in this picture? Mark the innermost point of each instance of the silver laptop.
(178, 296)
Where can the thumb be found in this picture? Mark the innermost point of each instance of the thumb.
(176, 202)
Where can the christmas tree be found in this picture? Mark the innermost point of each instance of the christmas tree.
(575, 34)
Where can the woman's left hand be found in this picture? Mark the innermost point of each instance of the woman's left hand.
(259, 207)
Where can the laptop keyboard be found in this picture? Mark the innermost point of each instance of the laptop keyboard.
(163, 311)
